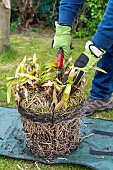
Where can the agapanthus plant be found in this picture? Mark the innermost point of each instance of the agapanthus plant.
(35, 87)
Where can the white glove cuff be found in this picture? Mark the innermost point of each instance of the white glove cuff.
(95, 50)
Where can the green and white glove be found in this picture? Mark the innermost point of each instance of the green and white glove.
(62, 39)
(89, 57)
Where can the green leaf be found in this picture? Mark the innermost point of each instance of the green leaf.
(32, 71)
(71, 76)
(10, 78)
(58, 81)
(22, 80)
(99, 69)
(34, 59)
(66, 94)
(21, 66)
(59, 87)
(28, 76)
(9, 89)
(40, 70)
(46, 77)
(50, 64)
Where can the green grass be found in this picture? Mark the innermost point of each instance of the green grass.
(28, 44)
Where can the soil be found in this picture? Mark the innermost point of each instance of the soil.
(48, 137)
(48, 118)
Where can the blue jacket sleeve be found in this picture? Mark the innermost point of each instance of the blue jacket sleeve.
(68, 10)
(103, 38)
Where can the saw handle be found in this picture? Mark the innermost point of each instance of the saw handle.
(60, 58)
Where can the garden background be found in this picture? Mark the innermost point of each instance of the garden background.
(31, 31)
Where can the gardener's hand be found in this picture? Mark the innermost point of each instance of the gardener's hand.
(89, 57)
(62, 39)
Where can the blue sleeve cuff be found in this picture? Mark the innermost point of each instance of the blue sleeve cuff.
(101, 41)
(68, 9)
(66, 18)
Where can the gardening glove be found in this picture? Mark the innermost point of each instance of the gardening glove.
(88, 60)
(62, 39)
(89, 57)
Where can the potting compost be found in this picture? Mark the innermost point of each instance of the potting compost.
(95, 149)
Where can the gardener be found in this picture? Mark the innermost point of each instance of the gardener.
(99, 50)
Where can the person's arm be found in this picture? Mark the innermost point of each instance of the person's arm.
(68, 9)
(103, 38)
(67, 12)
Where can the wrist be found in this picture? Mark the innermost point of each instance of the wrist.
(63, 30)
(63, 24)
(97, 52)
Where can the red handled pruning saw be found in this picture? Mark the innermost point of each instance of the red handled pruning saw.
(78, 76)
(60, 63)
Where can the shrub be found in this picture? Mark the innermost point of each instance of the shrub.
(89, 17)
(32, 13)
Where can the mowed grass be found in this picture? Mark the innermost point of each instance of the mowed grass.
(38, 42)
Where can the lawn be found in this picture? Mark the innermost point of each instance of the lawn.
(28, 43)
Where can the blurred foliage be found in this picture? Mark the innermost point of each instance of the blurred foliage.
(33, 13)
(89, 17)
